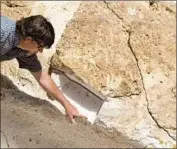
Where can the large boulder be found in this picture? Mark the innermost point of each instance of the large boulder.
(126, 51)
(123, 50)
(95, 46)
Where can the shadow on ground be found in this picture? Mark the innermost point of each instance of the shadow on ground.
(31, 122)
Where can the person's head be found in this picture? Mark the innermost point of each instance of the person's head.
(35, 33)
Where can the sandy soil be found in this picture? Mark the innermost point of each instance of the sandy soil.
(30, 122)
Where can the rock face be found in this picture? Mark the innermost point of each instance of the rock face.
(128, 50)
(16, 9)
(153, 42)
(95, 46)
(124, 50)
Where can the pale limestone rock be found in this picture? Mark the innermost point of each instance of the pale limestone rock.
(124, 49)
(153, 40)
(21, 78)
(16, 9)
(94, 46)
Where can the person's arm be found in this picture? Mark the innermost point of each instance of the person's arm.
(32, 64)
(50, 87)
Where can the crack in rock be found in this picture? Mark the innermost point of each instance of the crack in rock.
(129, 45)
(128, 27)
(5, 138)
(113, 11)
(130, 95)
(26, 79)
(171, 128)
(129, 31)
(120, 18)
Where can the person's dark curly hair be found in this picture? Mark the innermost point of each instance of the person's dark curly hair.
(38, 28)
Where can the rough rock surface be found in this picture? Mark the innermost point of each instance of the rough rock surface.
(16, 9)
(124, 50)
(128, 50)
(153, 43)
(91, 44)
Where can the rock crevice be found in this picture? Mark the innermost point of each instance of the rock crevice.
(6, 139)
(119, 17)
(129, 45)
(123, 50)
(129, 31)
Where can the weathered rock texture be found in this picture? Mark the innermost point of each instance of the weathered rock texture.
(16, 9)
(94, 46)
(127, 49)
(152, 41)
(124, 50)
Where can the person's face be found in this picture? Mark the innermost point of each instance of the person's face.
(32, 46)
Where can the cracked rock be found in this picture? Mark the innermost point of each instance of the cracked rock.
(97, 47)
(154, 43)
(125, 50)
(94, 46)
(4, 140)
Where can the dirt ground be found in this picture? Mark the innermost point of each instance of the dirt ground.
(30, 122)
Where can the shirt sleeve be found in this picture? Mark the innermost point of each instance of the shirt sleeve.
(30, 63)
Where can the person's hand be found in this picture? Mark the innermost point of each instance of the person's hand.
(72, 113)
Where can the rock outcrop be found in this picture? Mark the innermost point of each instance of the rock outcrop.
(126, 51)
